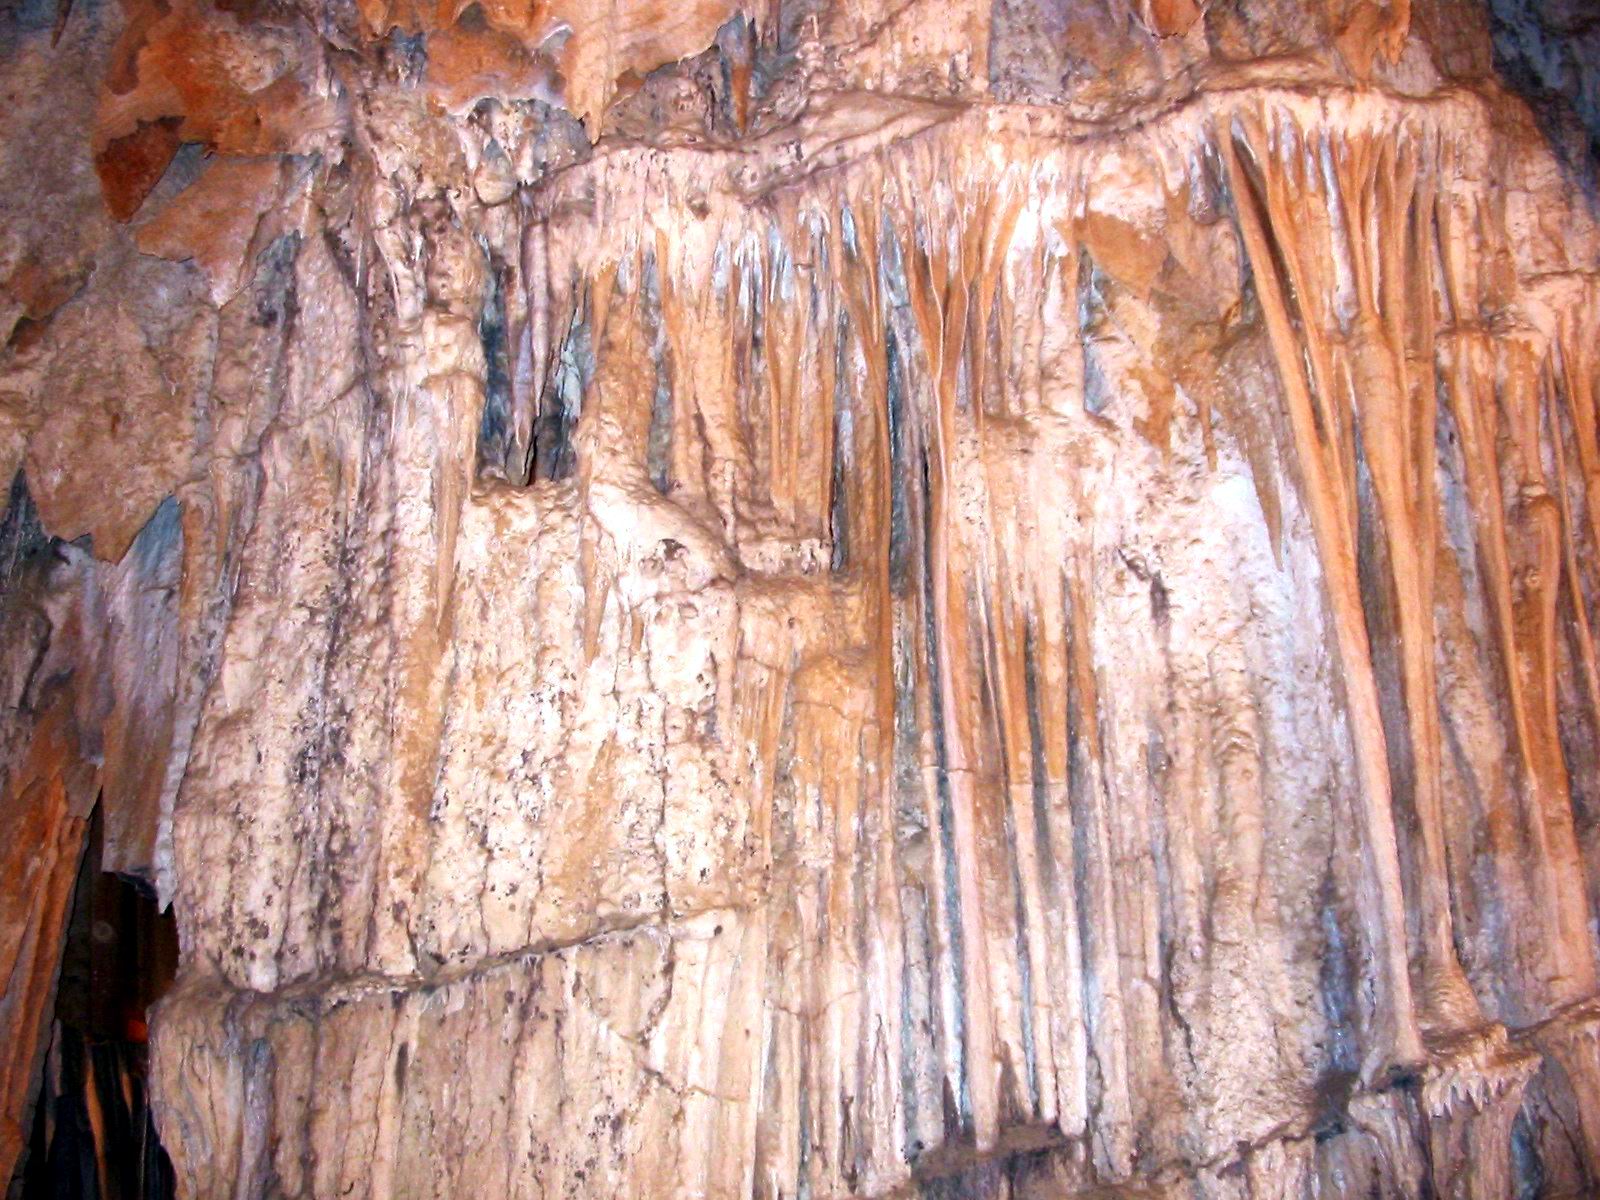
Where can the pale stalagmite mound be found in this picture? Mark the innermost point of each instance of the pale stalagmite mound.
(814, 598)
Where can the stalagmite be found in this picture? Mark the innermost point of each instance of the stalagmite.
(812, 598)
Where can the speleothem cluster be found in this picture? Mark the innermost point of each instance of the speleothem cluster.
(813, 598)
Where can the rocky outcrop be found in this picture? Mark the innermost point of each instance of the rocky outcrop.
(968, 600)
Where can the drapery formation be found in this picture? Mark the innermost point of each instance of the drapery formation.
(944, 645)
(1069, 646)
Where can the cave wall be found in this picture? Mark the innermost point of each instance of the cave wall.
(978, 599)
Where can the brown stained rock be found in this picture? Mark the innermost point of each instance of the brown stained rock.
(238, 83)
(45, 811)
(40, 287)
(214, 221)
(607, 44)
(1170, 18)
(468, 61)
(147, 369)
(1133, 254)
(1365, 30)
(50, 202)
(131, 164)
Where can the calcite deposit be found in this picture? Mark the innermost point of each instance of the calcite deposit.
(814, 598)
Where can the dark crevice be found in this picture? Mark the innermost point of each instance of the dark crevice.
(1527, 1168)
(276, 296)
(1337, 987)
(1548, 51)
(958, 1107)
(899, 467)
(658, 443)
(554, 456)
(23, 540)
(839, 478)
(1040, 776)
(1092, 319)
(494, 428)
(93, 1136)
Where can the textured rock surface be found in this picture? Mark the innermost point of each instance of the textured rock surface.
(967, 599)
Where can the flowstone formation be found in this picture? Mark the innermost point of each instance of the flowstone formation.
(812, 598)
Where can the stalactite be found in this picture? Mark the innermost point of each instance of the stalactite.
(824, 619)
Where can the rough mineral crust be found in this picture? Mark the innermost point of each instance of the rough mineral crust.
(954, 599)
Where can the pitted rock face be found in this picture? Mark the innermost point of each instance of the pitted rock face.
(825, 598)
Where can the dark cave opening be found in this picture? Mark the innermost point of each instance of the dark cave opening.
(92, 1136)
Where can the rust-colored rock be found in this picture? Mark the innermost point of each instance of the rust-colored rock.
(215, 219)
(42, 831)
(132, 163)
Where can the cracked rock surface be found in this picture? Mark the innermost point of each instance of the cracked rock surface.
(814, 598)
